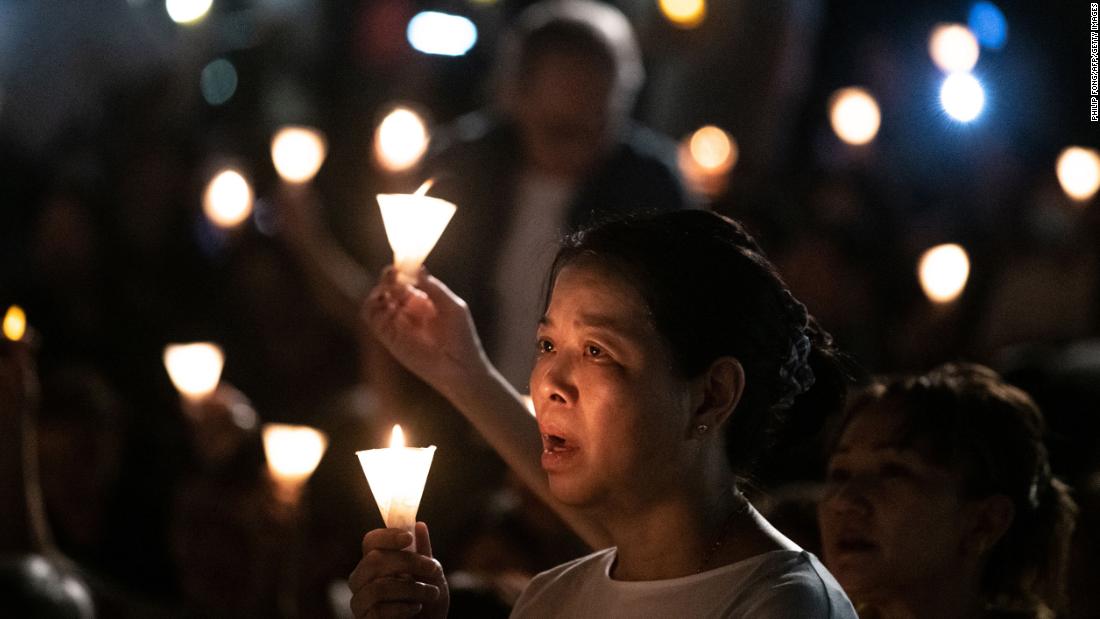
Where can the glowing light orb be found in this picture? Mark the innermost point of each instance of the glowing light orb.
(854, 115)
(962, 97)
(228, 199)
(187, 11)
(713, 149)
(953, 48)
(195, 369)
(1079, 172)
(684, 13)
(298, 153)
(400, 140)
(293, 452)
(218, 81)
(15, 323)
(943, 271)
(431, 32)
(988, 24)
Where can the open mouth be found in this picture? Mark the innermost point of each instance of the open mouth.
(555, 443)
(559, 451)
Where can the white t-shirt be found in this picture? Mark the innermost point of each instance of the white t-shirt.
(779, 584)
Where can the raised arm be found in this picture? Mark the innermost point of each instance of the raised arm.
(429, 330)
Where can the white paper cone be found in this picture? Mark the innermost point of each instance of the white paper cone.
(413, 224)
(396, 476)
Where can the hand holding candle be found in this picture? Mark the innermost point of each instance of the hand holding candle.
(414, 223)
(396, 475)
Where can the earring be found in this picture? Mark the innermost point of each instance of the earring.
(701, 429)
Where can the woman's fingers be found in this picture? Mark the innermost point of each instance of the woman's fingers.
(386, 539)
(437, 291)
(384, 557)
(423, 541)
(389, 580)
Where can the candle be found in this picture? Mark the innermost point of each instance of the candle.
(293, 453)
(195, 369)
(396, 476)
(414, 222)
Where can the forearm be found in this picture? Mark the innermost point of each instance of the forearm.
(499, 414)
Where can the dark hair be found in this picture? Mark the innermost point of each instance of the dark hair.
(965, 417)
(711, 293)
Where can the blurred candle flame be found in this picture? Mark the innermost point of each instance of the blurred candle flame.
(15, 323)
(943, 271)
(953, 48)
(293, 451)
(1078, 172)
(854, 115)
(684, 13)
(400, 140)
(298, 153)
(228, 199)
(705, 159)
(195, 368)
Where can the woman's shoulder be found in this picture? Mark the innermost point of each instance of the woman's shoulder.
(794, 583)
(580, 567)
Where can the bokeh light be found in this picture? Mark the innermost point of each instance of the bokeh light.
(1078, 171)
(400, 140)
(988, 24)
(187, 11)
(442, 34)
(684, 13)
(962, 97)
(218, 81)
(15, 323)
(195, 368)
(705, 159)
(854, 115)
(228, 199)
(943, 271)
(293, 452)
(298, 152)
(953, 48)
(713, 149)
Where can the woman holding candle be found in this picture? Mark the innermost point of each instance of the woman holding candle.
(941, 503)
(667, 349)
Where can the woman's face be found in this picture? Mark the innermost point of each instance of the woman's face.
(613, 415)
(892, 522)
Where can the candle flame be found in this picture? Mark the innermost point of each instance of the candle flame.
(423, 189)
(15, 323)
(397, 438)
